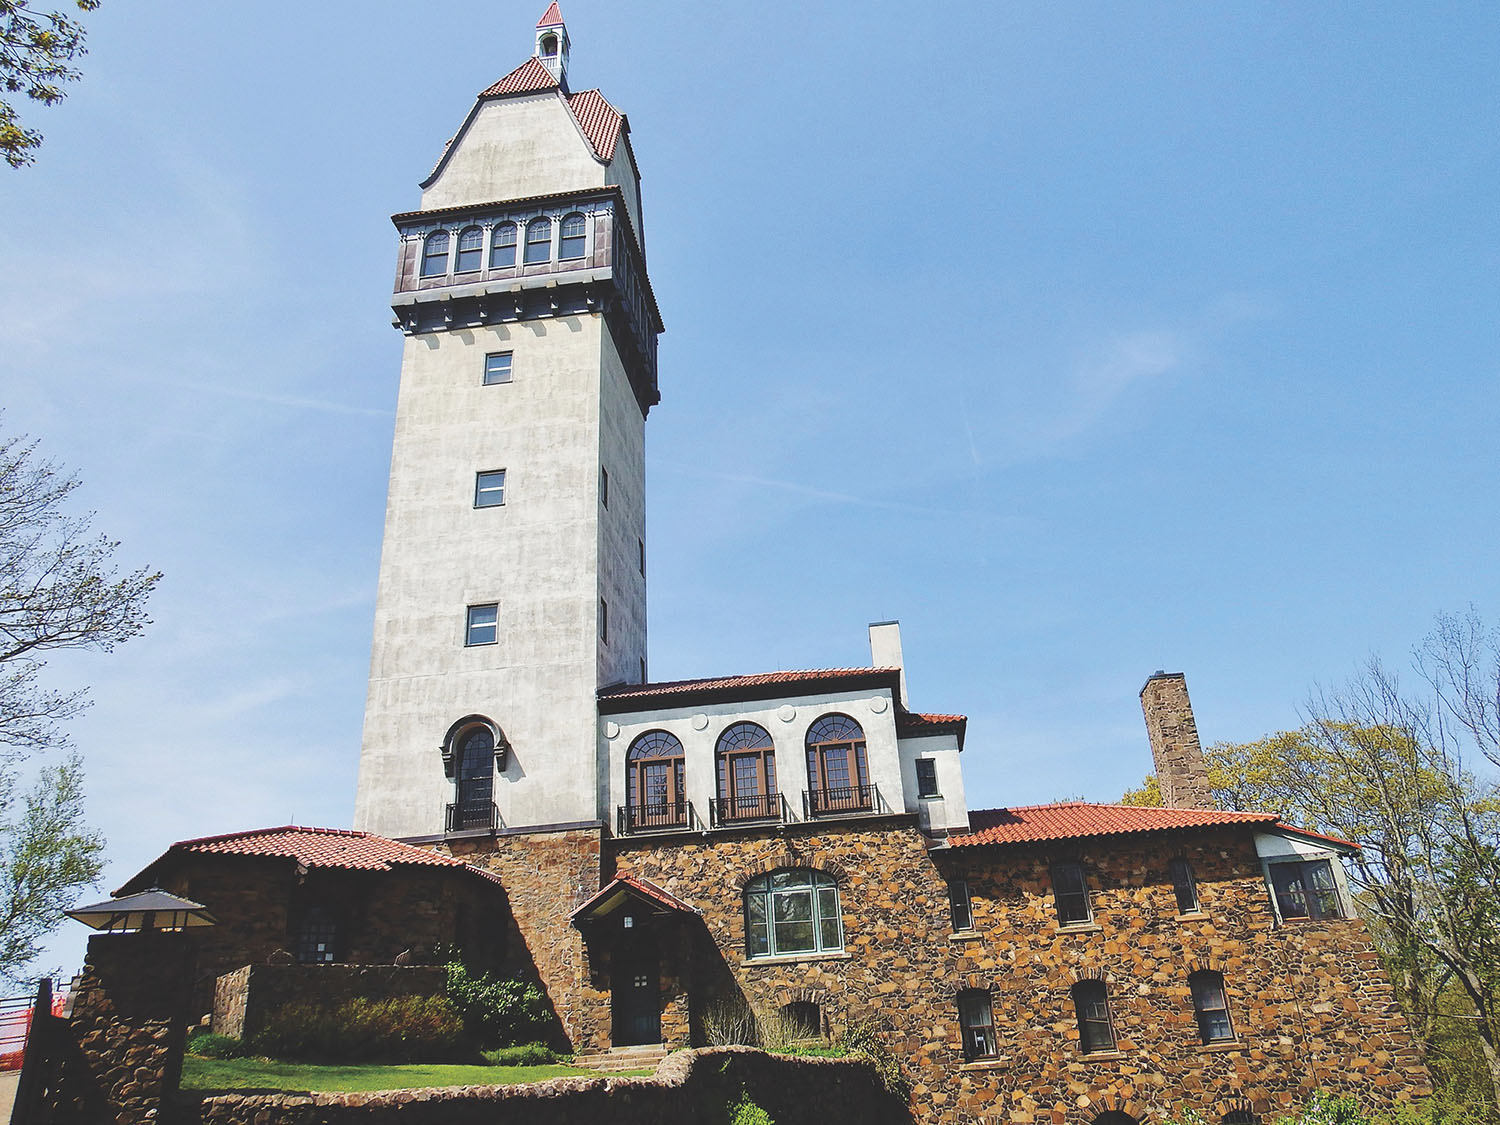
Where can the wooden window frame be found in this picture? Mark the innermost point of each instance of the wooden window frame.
(976, 1023)
(1059, 896)
(1185, 886)
(1201, 984)
(1087, 993)
(960, 906)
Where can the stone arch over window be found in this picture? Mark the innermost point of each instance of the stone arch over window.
(793, 912)
(1096, 1029)
(473, 749)
(539, 240)
(838, 770)
(470, 250)
(1112, 1110)
(816, 860)
(435, 254)
(745, 757)
(1114, 1117)
(1242, 1114)
(573, 237)
(655, 782)
(503, 246)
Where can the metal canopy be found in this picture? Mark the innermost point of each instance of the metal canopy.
(154, 909)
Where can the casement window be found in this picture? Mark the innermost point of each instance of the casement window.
(655, 782)
(927, 785)
(1211, 1004)
(1070, 894)
(1096, 1030)
(317, 937)
(838, 772)
(435, 254)
(470, 250)
(475, 779)
(746, 760)
(497, 367)
(1306, 891)
(572, 236)
(1184, 886)
(503, 246)
(489, 489)
(791, 912)
(538, 241)
(483, 627)
(960, 907)
(976, 1018)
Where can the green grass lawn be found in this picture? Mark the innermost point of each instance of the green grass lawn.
(265, 1074)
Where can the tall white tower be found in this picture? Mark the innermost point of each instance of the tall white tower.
(512, 575)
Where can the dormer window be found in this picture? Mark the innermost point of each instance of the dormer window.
(538, 241)
(435, 254)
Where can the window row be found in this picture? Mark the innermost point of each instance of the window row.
(838, 775)
(1095, 1017)
(443, 253)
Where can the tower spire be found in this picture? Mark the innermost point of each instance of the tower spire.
(552, 43)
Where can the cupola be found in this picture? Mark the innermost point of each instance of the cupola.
(552, 43)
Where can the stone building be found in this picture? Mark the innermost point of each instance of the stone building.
(798, 842)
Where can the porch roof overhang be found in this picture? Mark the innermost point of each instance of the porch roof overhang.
(630, 889)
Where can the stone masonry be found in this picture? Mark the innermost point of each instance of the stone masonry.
(1175, 750)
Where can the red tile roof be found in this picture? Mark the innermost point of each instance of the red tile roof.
(1069, 820)
(599, 121)
(764, 685)
(551, 17)
(642, 888)
(320, 847)
(528, 78)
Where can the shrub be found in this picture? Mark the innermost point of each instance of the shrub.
(863, 1036)
(746, 1112)
(730, 1023)
(496, 1011)
(405, 1029)
(524, 1054)
(211, 1046)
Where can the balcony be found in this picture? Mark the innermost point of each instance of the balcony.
(666, 816)
(472, 816)
(731, 812)
(840, 801)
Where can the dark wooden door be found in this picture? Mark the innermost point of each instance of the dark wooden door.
(636, 992)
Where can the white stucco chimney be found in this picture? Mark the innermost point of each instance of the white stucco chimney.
(885, 650)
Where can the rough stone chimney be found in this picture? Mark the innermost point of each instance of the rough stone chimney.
(1174, 742)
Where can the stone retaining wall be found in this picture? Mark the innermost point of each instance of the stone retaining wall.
(689, 1088)
(245, 998)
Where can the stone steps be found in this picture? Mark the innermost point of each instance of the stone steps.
(645, 1057)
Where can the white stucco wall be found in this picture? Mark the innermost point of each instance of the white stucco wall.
(516, 147)
(537, 557)
(949, 811)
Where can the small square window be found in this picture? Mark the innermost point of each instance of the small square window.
(604, 621)
(927, 785)
(483, 628)
(489, 489)
(496, 368)
(960, 906)
(604, 486)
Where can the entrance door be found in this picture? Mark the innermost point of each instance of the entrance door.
(636, 991)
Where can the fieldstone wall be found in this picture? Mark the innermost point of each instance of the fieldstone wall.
(689, 1088)
(246, 998)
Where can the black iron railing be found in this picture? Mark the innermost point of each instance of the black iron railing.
(471, 818)
(830, 801)
(663, 816)
(729, 811)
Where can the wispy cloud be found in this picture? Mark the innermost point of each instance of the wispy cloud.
(292, 402)
(809, 491)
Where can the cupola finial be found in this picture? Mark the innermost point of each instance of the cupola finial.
(552, 43)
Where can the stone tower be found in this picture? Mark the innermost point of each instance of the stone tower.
(512, 573)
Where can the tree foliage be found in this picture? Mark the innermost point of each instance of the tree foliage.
(37, 52)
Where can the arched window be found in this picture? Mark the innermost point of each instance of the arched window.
(1096, 1030)
(538, 241)
(747, 774)
(317, 937)
(503, 246)
(1238, 1117)
(572, 236)
(549, 46)
(1212, 1007)
(802, 1019)
(475, 753)
(435, 254)
(1114, 1117)
(470, 250)
(791, 912)
(838, 775)
(976, 1018)
(655, 789)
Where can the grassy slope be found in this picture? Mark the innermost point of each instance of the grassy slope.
(263, 1074)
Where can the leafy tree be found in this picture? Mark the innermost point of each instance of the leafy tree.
(37, 50)
(58, 590)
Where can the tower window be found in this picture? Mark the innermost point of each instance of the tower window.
(476, 780)
(1184, 886)
(976, 1017)
(549, 45)
(1070, 893)
(640, 546)
(604, 486)
(538, 241)
(1212, 1007)
(604, 621)
(489, 489)
(574, 229)
(960, 906)
(483, 625)
(503, 246)
(1096, 1030)
(497, 368)
(470, 249)
(435, 254)
(927, 785)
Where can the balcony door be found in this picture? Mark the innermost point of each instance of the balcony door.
(838, 771)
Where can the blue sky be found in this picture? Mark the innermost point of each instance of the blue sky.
(1085, 339)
